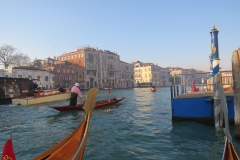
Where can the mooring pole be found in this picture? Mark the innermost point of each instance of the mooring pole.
(215, 74)
(236, 85)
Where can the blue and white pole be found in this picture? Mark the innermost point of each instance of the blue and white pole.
(215, 74)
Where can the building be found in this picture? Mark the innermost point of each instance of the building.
(43, 78)
(102, 68)
(148, 74)
(186, 76)
(6, 72)
(66, 74)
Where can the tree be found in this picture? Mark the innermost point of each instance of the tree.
(6, 53)
(20, 59)
(9, 57)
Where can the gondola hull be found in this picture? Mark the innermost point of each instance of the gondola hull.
(98, 104)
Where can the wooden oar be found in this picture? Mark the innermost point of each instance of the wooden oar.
(229, 152)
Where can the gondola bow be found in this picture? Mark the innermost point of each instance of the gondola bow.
(73, 146)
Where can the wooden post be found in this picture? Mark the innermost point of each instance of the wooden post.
(236, 85)
(174, 86)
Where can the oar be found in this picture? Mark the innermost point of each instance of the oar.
(88, 108)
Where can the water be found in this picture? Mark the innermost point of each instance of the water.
(140, 127)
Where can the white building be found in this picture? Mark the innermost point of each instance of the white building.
(43, 78)
(5, 73)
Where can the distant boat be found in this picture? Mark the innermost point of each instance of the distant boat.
(153, 89)
(107, 88)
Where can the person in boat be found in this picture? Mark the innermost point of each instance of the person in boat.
(6, 90)
(61, 89)
(2, 94)
(75, 93)
(35, 85)
(153, 86)
(15, 90)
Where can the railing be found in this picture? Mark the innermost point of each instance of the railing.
(183, 85)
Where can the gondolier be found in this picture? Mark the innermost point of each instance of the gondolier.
(75, 93)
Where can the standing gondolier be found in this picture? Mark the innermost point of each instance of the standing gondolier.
(75, 93)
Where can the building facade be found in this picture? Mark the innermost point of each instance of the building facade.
(102, 68)
(148, 74)
(43, 78)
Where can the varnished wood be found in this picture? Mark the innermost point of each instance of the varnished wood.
(229, 151)
(72, 147)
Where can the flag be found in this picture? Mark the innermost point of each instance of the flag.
(8, 152)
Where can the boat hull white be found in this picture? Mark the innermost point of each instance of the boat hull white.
(32, 101)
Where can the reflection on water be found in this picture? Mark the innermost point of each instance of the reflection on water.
(139, 127)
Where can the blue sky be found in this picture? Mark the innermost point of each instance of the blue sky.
(164, 32)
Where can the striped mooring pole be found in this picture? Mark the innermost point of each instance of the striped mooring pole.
(218, 117)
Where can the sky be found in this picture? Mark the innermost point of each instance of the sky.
(170, 33)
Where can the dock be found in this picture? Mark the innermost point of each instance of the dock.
(199, 106)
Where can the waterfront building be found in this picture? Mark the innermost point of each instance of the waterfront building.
(6, 72)
(125, 75)
(148, 74)
(43, 78)
(102, 68)
(66, 74)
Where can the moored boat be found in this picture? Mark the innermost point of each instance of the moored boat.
(42, 97)
(73, 146)
(98, 104)
(9, 92)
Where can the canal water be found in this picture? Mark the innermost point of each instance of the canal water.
(140, 127)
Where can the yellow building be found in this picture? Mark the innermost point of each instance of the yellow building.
(148, 74)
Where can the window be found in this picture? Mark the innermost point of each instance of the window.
(75, 56)
(53, 78)
(19, 76)
(29, 76)
(64, 71)
(38, 78)
(71, 57)
(79, 55)
(82, 55)
(46, 78)
(72, 71)
(68, 57)
(58, 70)
(62, 59)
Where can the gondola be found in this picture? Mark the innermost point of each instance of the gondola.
(98, 104)
(72, 147)
(229, 152)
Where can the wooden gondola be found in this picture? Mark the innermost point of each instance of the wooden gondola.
(72, 147)
(229, 152)
(98, 104)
